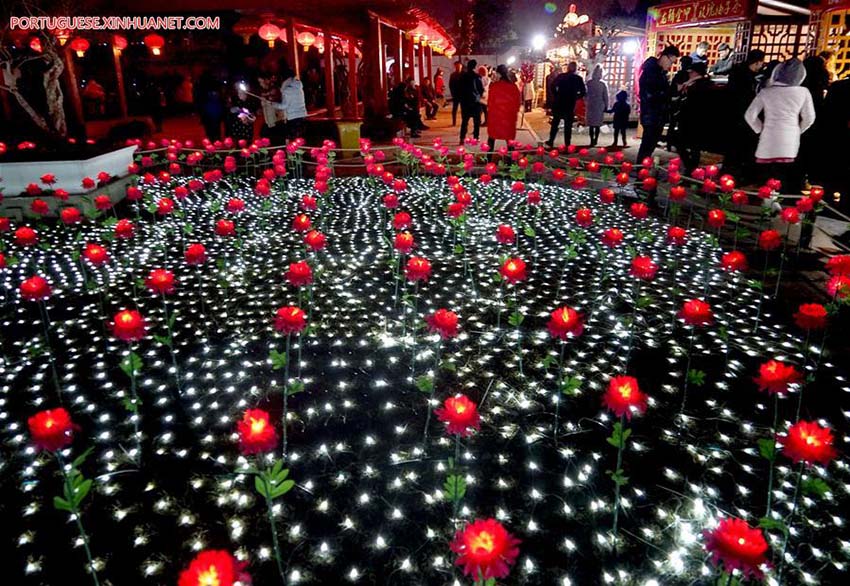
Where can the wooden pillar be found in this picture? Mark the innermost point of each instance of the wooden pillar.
(395, 51)
(407, 56)
(292, 48)
(330, 100)
(119, 81)
(429, 52)
(73, 87)
(420, 61)
(374, 88)
(352, 76)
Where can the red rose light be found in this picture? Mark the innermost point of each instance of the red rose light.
(164, 206)
(805, 205)
(607, 195)
(124, 229)
(102, 202)
(315, 240)
(624, 396)
(533, 198)
(622, 178)
(737, 546)
(808, 442)
(404, 242)
(256, 433)
(643, 268)
(402, 221)
(36, 289)
(308, 202)
(639, 210)
(584, 217)
(513, 270)
(790, 215)
(839, 265)
(234, 205)
(160, 281)
(95, 254)
(838, 286)
(739, 198)
(443, 322)
(213, 567)
(70, 216)
(455, 209)
(391, 201)
(39, 207)
(485, 549)
(811, 316)
(649, 184)
(26, 236)
(460, 414)
(716, 218)
(299, 274)
(769, 240)
(48, 178)
(612, 237)
(225, 228)
(775, 376)
(290, 320)
(565, 322)
(196, 254)
(505, 234)
(128, 326)
(696, 312)
(734, 261)
(134, 193)
(52, 429)
(677, 193)
(417, 269)
(301, 223)
(518, 187)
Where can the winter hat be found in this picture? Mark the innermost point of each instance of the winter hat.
(789, 73)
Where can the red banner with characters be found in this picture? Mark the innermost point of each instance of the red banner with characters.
(699, 12)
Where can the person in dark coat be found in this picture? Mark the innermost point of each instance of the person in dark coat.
(739, 156)
(404, 105)
(695, 128)
(727, 59)
(210, 104)
(454, 89)
(680, 78)
(817, 82)
(470, 90)
(621, 110)
(654, 99)
(836, 111)
(700, 54)
(429, 99)
(566, 91)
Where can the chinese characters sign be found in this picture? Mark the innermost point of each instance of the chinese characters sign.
(699, 12)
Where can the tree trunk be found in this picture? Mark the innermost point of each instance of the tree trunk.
(54, 96)
(36, 117)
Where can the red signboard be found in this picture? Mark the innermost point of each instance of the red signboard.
(699, 12)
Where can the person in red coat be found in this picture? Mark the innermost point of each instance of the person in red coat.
(503, 104)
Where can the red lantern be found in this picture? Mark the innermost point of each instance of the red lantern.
(35, 44)
(306, 39)
(155, 43)
(269, 32)
(79, 46)
(63, 35)
(119, 43)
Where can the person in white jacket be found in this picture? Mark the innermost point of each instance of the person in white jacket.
(788, 113)
(292, 103)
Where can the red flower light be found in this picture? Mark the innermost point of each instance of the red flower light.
(565, 322)
(39, 207)
(301, 223)
(607, 195)
(734, 261)
(811, 316)
(196, 254)
(839, 265)
(455, 209)
(213, 568)
(676, 235)
(624, 396)
(70, 216)
(639, 210)
(643, 268)
(164, 206)
(790, 215)
(739, 198)
(775, 376)
(737, 546)
(623, 178)
(505, 234)
(26, 236)
(404, 242)
(315, 240)
(160, 281)
(35, 289)
(128, 325)
(102, 202)
(769, 240)
(256, 433)
(443, 322)
(513, 270)
(234, 205)
(124, 229)
(225, 228)
(838, 286)
(299, 274)
(402, 221)
(533, 198)
(52, 429)
(308, 202)
(48, 178)
(584, 217)
(485, 549)
(95, 254)
(461, 415)
(716, 218)
(417, 269)
(677, 193)
(696, 312)
(808, 442)
(612, 237)
(391, 201)
(290, 320)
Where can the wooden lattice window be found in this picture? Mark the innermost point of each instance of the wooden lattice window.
(688, 39)
(835, 37)
(780, 41)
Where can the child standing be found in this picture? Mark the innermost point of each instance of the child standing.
(621, 110)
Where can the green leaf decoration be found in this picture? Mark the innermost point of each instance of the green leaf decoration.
(815, 486)
(75, 255)
(696, 377)
(771, 524)
(515, 319)
(130, 404)
(273, 483)
(78, 461)
(188, 228)
(454, 487)
(619, 436)
(447, 365)
(151, 209)
(767, 448)
(644, 301)
(547, 362)
(529, 231)
(81, 490)
(571, 385)
(755, 284)
(164, 340)
(425, 384)
(109, 222)
(260, 486)
(618, 477)
(132, 364)
(61, 504)
(295, 387)
(458, 249)
(278, 359)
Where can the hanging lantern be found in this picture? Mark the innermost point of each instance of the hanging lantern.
(320, 44)
(269, 32)
(63, 35)
(155, 43)
(119, 43)
(35, 44)
(306, 39)
(79, 46)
